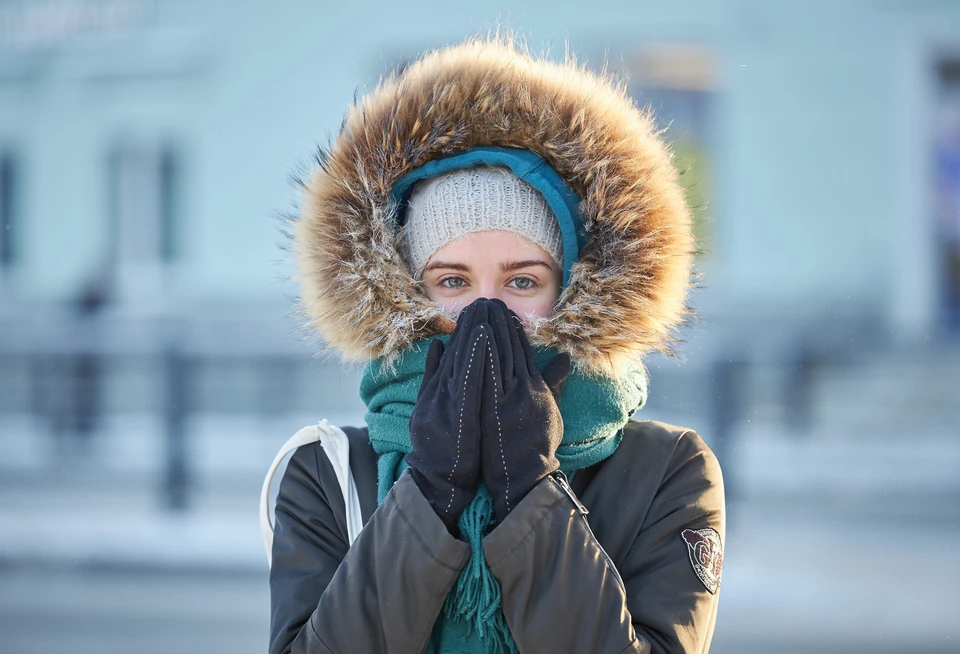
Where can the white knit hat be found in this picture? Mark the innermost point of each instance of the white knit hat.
(444, 208)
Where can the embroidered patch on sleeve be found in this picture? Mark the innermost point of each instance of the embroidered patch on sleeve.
(706, 555)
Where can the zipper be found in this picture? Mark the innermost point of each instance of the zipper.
(561, 481)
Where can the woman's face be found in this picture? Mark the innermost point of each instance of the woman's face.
(494, 264)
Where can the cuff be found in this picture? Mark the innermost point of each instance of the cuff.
(545, 501)
(426, 525)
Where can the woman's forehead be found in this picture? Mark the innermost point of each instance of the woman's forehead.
(493, 247)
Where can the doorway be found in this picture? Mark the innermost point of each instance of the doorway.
(947, 192)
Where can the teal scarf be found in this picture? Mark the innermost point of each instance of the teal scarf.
(594, 409)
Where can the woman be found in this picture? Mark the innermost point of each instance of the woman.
(501, 239)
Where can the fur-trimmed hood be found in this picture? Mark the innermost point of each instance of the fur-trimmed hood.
(626, 294)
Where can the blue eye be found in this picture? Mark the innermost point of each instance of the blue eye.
(523, 283)
(455, 282)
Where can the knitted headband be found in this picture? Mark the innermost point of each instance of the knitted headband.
(445, 208)
(525, 164)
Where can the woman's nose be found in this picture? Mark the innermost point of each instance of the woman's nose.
(490, 291)
(497, 293)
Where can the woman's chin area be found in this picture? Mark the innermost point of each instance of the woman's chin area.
(494, 264)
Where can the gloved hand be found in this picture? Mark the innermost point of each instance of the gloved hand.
(445, 424)
(520, 420)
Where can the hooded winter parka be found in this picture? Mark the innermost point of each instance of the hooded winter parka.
(605, 566)
(625, 558)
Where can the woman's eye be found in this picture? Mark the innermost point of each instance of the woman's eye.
(452, 282)
(523, 283)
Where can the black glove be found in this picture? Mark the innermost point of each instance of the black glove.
(520, 419)
(445, 424)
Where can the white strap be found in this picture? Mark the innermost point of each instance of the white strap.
(336, 446)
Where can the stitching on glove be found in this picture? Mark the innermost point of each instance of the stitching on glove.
(456, 461)
(496, 413)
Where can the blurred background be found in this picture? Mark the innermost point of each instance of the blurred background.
(150, 368)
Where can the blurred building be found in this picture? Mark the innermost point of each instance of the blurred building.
(147, 146)
(147, 348)
(154, 140)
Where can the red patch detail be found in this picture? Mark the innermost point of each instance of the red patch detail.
(706, 555)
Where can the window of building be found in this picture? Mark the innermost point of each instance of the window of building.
(678, 82)
(947, 192)
(144, 208)
(9, 219)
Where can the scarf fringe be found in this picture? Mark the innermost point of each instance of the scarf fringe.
(475, 600)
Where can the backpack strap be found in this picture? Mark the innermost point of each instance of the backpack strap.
(336, 446)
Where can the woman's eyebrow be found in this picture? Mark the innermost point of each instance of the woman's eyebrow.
(516, 265)
(443, 264)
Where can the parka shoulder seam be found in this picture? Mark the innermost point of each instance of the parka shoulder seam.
(317, 449)
(668, 468)
(701, 452)
(280, 506)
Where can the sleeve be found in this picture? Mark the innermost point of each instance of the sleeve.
(561, 592)
(382, 594)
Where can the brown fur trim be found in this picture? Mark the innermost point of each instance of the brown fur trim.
(626, 293)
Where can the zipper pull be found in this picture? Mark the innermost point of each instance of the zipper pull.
(561, 480)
